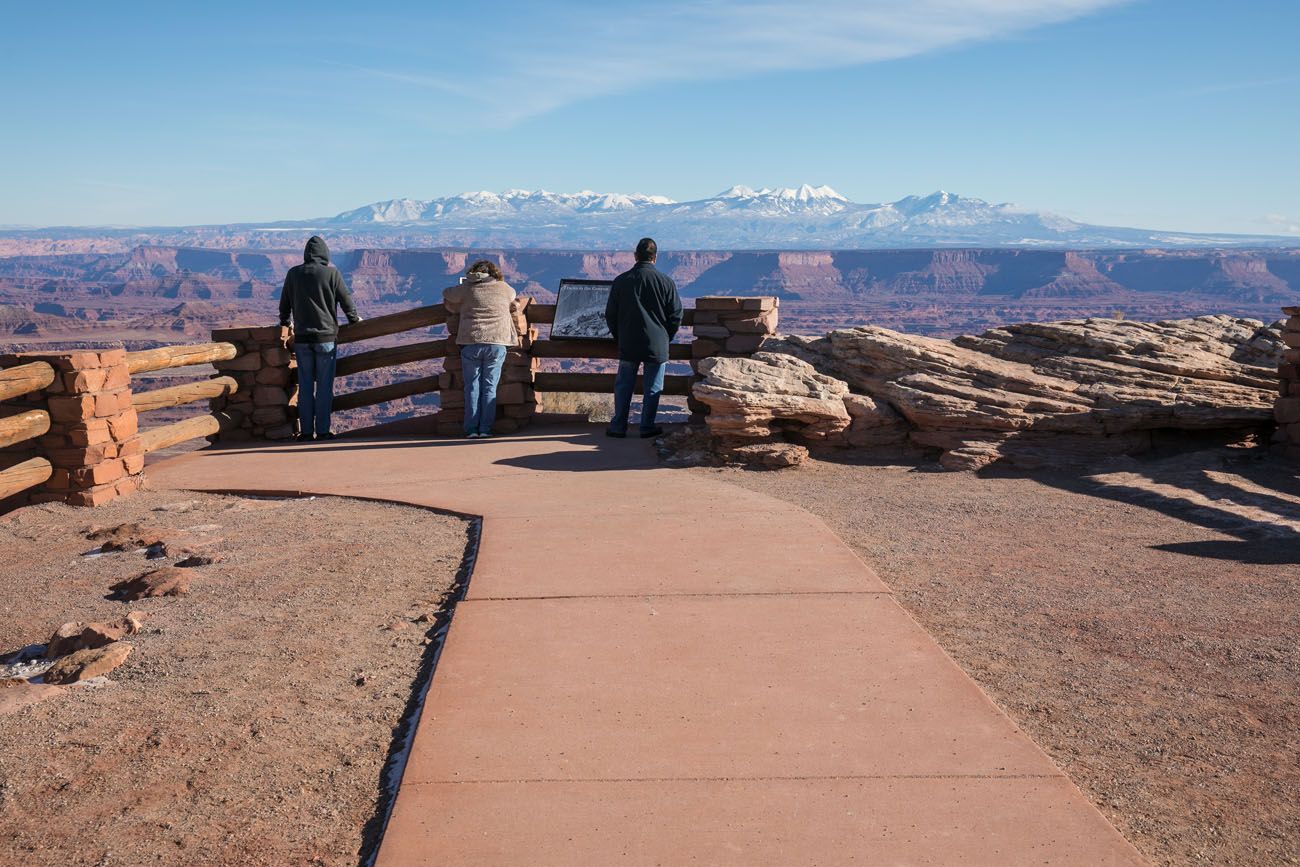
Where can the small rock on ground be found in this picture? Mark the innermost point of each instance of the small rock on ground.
(85, 664)
(165, 581)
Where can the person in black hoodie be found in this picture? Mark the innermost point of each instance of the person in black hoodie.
(312, 294)
(643, 313)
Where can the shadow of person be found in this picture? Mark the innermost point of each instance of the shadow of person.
(1263, 552)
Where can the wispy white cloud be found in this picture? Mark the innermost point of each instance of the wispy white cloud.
(1285, 225)
(588, 49)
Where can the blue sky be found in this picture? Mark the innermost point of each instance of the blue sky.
(1176, 114)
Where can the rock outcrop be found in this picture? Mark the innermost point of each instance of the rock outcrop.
(1033, 394)
(756, 402)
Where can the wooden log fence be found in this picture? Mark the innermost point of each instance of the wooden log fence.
(23, 426)
(165, 357)
(177, 395)
(24, 379)
(384, 393)
(189, 429)
(393, 323)
(93, 409)
(602, 382)
(390, 356)
(595, 349)
(544, 314)
(28, 474)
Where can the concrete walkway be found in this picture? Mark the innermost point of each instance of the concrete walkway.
(651, 667)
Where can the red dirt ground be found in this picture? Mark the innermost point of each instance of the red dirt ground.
(252, 722)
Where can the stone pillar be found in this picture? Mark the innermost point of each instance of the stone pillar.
(93, 442)
(726, 326)
(517, 400)
(1287, 408)
(268, 390)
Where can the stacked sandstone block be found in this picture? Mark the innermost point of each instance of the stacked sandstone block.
(517, 400)
(267, 394)
(729, 327)
(92, 443)
(1287, 408)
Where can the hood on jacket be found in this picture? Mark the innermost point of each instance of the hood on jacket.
(316, 251)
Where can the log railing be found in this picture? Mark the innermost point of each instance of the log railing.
(69, 419)
(727, 326)
(385, 393)
(544, 314)
(178, 395)
(168, 397)
(391, 356)
(24, 475)
(24, 379)
(24, 425)
(164, 357)
(210, 424)
(602, 383)
(394, 323)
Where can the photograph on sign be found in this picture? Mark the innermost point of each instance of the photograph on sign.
(580, 310)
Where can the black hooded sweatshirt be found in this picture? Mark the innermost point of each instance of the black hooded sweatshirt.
(312, 294)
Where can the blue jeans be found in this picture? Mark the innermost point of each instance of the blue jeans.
(625, 384)
(315, 385)
(481, 364)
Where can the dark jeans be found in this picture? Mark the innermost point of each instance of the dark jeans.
(481, 363)
(315, 385)
(625, 384)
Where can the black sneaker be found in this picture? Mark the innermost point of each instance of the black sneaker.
(328, 435)
(304, 438)
(610, 432)
(651, 432)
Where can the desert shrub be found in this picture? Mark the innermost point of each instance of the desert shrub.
(596, 407)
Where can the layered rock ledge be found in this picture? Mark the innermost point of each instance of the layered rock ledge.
(1030, 394)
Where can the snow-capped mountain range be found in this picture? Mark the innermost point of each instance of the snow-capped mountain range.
(743, 218)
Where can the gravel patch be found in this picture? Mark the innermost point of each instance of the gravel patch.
(254, 719)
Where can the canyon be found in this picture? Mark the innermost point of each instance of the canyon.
(155, 294)
(153, 289)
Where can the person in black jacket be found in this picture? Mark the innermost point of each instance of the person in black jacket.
(643, 313)
(312, 294)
